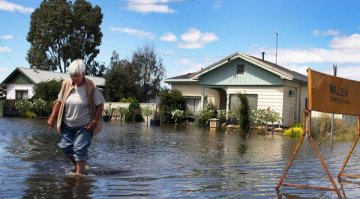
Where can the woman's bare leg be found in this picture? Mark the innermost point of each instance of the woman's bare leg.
(80, 167)
(73, 161)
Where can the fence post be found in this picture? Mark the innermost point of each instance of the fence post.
(2, 106)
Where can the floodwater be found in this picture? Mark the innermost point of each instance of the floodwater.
(136, 161)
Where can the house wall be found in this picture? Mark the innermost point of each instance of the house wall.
(304, 96)
(11, 88)
(227, 75)
(268, 96)
(290, 108)
(213, 97)
(275, 97)
(188, 89)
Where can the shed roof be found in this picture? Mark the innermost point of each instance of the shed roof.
(37, 76)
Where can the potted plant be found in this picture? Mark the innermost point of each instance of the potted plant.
(155, 121)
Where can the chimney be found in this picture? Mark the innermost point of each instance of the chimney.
(263, 55)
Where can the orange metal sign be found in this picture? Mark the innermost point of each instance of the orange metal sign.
(333, 94)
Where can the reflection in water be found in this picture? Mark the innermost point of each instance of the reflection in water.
(163, 162)
(45, 186)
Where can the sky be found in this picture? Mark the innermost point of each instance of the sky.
(192, 34)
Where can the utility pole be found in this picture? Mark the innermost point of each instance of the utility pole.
(332, 115)
(276, 49)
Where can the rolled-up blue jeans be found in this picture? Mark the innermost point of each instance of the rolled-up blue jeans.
(75, 141)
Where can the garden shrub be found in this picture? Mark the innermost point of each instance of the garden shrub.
(177, 115)
(47, 90)
(134, 113)
(29, 114)
(40, 107)
(221, 115)
(170, 100)
(293, 132)
(23, 106)
(343, 130)
(321, 125)
(202, 117)
(244, 113)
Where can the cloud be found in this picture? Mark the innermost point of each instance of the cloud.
(350, 43)
(169, 37)
(343, 50)
(11, 7)
(349, 72)
(194, 67)
(329, 32)
(194, 38)
(4, 69)
(147, 6)
(6, 37)
(133, 32)
(344, 71)
(4, 49)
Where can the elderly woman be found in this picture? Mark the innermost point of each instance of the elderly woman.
(78, 112)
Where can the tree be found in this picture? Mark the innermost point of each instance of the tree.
(244, 113)
(170, 100)
(151, 71)
(47, 90)
(121, 80)
(61, 32)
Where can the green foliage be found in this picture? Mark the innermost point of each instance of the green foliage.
(244, 113)
(321, 128)
(108, 110)
(321, 125)
(47, 90)
(177, 114)
(202, 117)
(62, 31)
(134, 113)
(29, 114)
(146, 111)
(121, 80)
(150, 71)
(120, 111)
(262, 117)
(40, 106)
(23, 105)
(170, 100)
(126, 100)
(37, 106)
(293, 132)
(221, 115)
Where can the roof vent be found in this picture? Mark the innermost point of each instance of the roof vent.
(263, 55)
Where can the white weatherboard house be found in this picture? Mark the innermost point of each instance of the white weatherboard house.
(265, 84)
(19, 84)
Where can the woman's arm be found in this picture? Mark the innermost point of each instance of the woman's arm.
(54, 114)
(97, 116)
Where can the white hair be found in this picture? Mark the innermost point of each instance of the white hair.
(77, 67)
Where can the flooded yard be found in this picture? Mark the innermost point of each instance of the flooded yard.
(136, 161)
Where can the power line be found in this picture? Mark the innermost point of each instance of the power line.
(6, 53)
(131, 50)
(125, 4)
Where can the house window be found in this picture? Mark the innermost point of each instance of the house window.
(193, 104)
(235, 102)
(21, 94)
(240, 69)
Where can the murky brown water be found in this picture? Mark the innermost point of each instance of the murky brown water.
(150, 162)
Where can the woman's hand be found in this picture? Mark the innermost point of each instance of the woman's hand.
(50, 122)
(91, 126)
